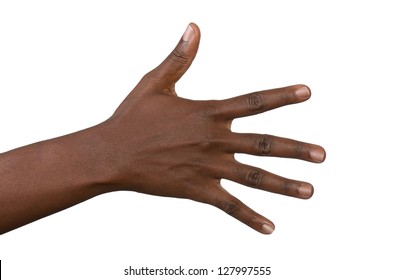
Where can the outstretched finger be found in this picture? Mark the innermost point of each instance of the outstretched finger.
(237, 209)
(268, 145)
(260, 179)
(262, 101)
(178, 61)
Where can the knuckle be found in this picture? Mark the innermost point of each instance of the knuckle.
(287, 188)
(208, 142)
(231, 207)
(254, 178)
(299, 150)
(255, 101)
(150, 78)
(179, 56)
(287, 96)
(251, 220)
(264, 144)
(209, 111)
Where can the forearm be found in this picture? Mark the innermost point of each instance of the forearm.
(46, 177)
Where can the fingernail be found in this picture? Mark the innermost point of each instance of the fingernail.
(267, 229)
(317, 154)
(303, 92)
(188, 34)
(305, 190)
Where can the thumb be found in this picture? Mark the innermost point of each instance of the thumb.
(178, 61)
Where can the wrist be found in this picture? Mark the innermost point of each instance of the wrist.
(94, 154)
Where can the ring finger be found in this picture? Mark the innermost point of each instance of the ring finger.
(260, 179)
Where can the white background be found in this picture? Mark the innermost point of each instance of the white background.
(66, 66)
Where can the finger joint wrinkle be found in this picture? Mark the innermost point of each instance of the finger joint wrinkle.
(179, 57)
(254, 178)
(255, 101)
(231, 207)
(264, 144)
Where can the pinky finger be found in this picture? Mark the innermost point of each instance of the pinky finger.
(237, 209)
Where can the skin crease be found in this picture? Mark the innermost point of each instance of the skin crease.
(156, 143)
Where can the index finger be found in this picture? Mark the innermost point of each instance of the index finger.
(262, 101)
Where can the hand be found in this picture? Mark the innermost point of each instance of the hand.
(161, 144)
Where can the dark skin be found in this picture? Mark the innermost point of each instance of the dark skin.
(160, 144)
